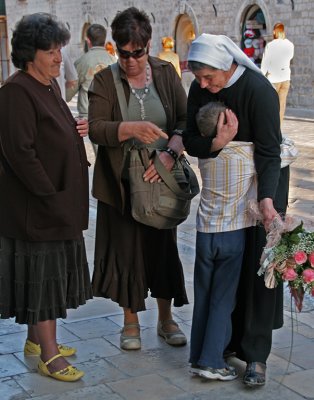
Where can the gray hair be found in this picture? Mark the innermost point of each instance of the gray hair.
(195, 66)
(207, 118)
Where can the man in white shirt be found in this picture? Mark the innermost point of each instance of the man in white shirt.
(276, 64)
(67, 79)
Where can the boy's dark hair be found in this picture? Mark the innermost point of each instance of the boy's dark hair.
(207, 118)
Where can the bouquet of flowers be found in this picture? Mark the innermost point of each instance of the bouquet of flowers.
(289, 257)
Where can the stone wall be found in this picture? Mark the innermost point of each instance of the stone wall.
(220, 17)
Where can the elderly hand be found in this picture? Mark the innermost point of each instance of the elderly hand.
(226, 130)
(151, 174)
(144, 131)
(268, 211)
(82, 126)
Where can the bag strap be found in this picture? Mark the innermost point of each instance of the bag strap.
(120, 92)
(160, 168)
(172, 183)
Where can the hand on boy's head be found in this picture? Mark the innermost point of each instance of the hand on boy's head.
(230, 121)
(227, 128)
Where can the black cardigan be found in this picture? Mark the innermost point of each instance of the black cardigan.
(256, 105)
(43, 165)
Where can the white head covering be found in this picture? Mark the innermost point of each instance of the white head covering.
(218, 51)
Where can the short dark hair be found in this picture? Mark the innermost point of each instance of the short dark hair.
(97, 34)
(207, 118)
(39, 31)
(131, 26)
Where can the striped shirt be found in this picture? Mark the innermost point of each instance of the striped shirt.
(229, 181)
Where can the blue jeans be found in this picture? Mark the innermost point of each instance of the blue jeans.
(216, 276)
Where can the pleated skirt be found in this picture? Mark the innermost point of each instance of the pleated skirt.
(132, 259)
(39, 281)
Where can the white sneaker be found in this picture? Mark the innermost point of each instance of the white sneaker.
(224, 374)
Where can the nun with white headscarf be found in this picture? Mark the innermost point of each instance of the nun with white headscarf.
(224, 73)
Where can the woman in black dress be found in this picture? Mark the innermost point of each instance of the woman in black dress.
(255, 102)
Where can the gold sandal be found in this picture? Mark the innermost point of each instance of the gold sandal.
(33, 349)
(68, 374)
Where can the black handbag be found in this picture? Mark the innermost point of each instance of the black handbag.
(165, 204)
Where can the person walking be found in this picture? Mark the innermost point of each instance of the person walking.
(275, 64)
(67, 79)
(94, 60)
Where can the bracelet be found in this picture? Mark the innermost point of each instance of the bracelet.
(173, 154)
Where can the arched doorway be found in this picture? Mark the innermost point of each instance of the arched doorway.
(184, 35)
(253, 33)
(4, 52)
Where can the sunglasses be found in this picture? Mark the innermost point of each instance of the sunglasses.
(134, 54)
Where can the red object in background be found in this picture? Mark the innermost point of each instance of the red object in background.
(184, 66)
(249, 51)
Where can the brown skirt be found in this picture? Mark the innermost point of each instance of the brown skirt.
(132, 258)
(40, 280)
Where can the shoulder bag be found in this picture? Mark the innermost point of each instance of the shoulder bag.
(165, 204)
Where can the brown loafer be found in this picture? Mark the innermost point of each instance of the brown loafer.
(255, 374)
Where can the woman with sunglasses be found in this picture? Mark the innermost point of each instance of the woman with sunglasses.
(131, 258)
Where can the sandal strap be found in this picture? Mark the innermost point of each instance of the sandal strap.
(130, 325)
(69, 370)
(53, 358)
(168, 322)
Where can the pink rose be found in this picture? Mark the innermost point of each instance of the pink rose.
(300, 257)
(311, 259)
(308, 275)
(289, 274)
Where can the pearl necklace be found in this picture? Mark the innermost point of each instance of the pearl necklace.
(142, 97)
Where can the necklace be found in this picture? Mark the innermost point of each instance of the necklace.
(142, 97)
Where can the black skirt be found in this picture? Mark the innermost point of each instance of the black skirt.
(132, 259)
(40, 280)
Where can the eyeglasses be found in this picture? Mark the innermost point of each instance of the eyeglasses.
(134, 54)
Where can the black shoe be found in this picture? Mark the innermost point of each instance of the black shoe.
(252, 377)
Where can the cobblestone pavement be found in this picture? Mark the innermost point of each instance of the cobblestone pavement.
(158, 371)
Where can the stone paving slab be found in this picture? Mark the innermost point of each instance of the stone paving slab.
(159, 371)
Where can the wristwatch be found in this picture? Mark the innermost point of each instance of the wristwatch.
(173, 154)
(178, 132)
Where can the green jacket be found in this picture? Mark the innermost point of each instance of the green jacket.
(96, 59)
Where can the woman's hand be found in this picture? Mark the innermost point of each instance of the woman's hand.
(82, 126)
(151, 174)
(144, 131)
(268, 211)
(226, 130)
